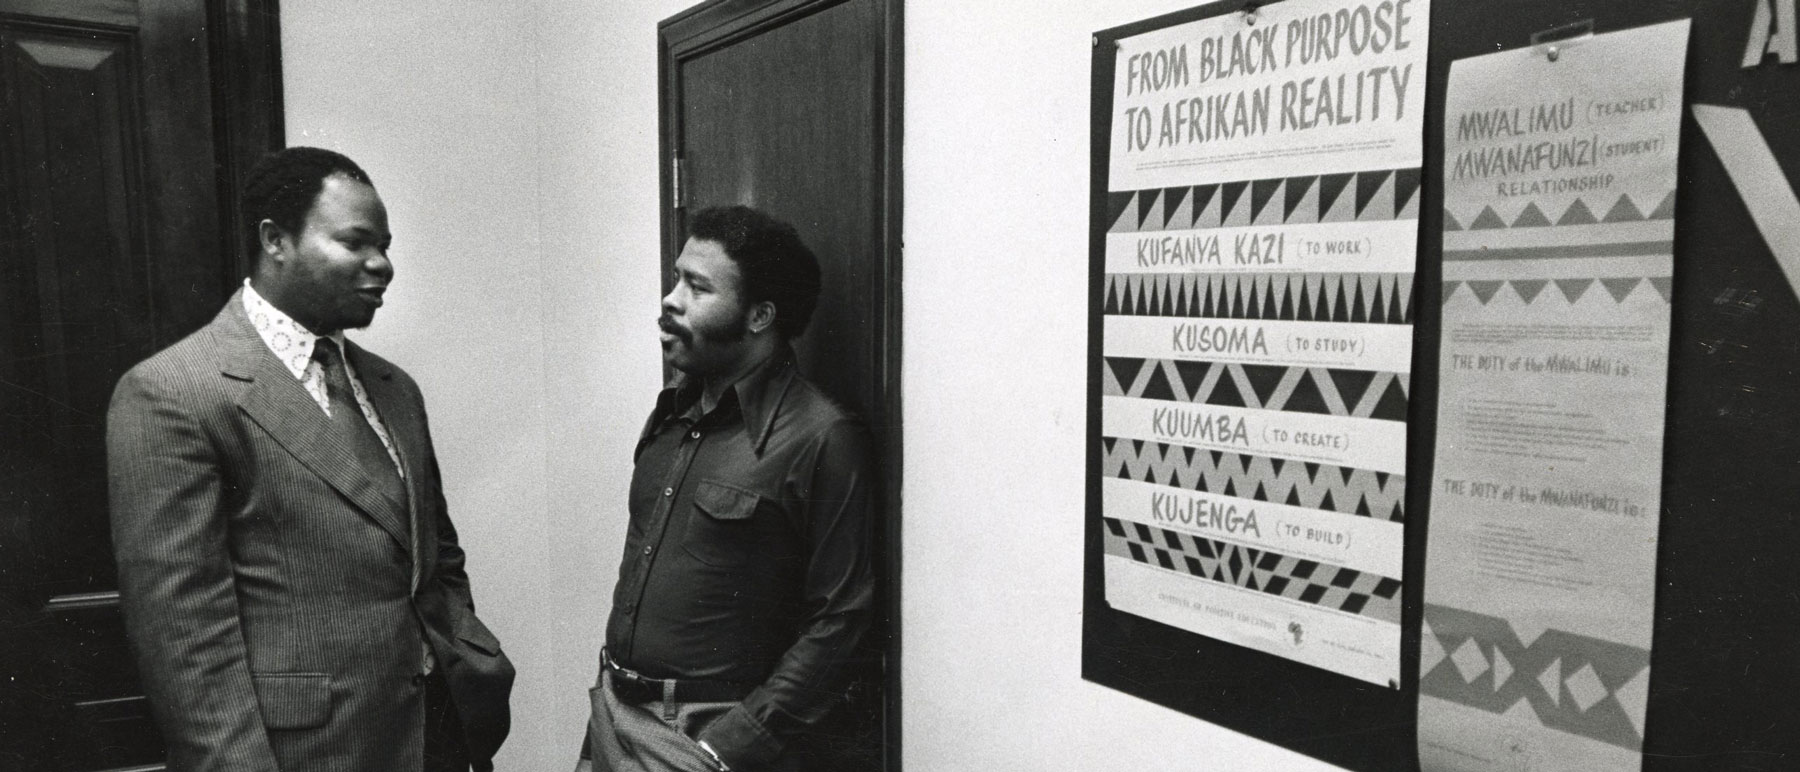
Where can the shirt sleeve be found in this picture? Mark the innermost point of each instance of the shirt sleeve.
(834, 505)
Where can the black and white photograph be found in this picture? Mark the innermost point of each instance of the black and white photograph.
(883, 385)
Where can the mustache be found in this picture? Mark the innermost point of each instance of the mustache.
(667, 324)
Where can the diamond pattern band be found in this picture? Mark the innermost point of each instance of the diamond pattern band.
(1260, 478)
(1573, 683)
(1318, 390)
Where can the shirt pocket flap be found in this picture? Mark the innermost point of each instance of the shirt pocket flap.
(293, 700)
(723, 502)
(477, 635)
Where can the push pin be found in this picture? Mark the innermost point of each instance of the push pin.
(1552, 41)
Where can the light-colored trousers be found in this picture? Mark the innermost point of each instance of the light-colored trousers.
(652, 737)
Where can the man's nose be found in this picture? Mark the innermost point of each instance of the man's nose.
(669, 301)
(378, 263)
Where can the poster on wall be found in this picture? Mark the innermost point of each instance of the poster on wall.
(1559, 193)
(1260, 246)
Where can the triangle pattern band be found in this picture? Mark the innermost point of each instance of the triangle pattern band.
(1320, 390)
(1534, 214)
(1555, 664)
(1571, 290)
(1309, 581)
(1373, 298)
(1378, 194)
(1327, 487)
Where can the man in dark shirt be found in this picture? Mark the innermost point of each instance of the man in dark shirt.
(746, 580)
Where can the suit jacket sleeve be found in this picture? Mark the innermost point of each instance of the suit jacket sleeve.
(176, 581)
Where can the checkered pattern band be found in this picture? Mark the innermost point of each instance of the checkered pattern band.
(1307, 581)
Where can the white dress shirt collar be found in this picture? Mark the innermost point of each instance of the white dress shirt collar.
(290, 340)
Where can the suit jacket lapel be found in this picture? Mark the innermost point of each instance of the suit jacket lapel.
(406, 430)
(277, 402)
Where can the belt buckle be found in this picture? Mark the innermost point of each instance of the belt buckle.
(633, 686)
(628, 674)
(606, 658)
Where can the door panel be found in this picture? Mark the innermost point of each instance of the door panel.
(77, 289)
(784, 122)
(792, 107)
(110, 247)
(74, 284)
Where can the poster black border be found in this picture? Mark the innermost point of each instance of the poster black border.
(1331, 717)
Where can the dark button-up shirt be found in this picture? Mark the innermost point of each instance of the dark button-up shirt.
(747, 558)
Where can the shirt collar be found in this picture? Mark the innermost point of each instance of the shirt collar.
(758, 395)
(289, 340)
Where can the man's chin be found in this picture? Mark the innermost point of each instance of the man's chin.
(685, 363)
(358, 321)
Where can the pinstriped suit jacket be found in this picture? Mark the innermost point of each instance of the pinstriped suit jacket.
(273, 594)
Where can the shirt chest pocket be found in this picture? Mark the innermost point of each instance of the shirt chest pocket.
(723, 530)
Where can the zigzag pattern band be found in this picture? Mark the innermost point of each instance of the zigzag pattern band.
(1307, 581)
(1572, 290)
(1381, 194)
(1262, 478)
(1623, 209)
(1375, 298)
(1575, 683)
(1320, 390)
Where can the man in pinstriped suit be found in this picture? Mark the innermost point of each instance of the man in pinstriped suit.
(291, 581)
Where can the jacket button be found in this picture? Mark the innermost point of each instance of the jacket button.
(418, 679)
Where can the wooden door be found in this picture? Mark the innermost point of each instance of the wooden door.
(792, 107)
(118, 121)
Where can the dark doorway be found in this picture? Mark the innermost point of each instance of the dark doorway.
(124, 126)
(793, 106)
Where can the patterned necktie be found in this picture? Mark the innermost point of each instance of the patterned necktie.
(347, 419)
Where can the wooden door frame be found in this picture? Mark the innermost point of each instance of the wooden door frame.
(715, 24)
(249, 118)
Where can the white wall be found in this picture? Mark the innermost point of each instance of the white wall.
(601, 274)
(515, 144)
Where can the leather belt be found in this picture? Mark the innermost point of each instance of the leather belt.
(635, 688)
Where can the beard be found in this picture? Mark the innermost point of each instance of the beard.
(709, 348)
(731, 332)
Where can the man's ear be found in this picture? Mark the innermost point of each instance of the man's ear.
(762, 316)
(269, 237)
